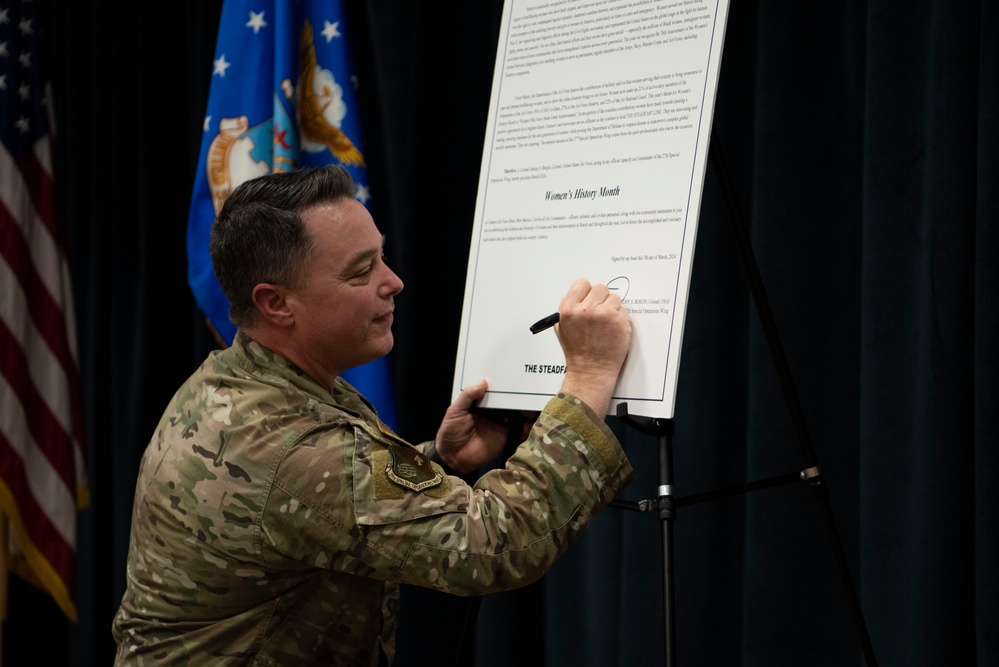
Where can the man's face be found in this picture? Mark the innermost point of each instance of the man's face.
(343, 314)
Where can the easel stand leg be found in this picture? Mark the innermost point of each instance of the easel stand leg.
(811, 472)
(662, 429)
(666, 517)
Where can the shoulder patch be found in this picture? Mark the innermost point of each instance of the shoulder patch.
(411, 469)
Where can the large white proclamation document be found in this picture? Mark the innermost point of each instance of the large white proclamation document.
(594, 160)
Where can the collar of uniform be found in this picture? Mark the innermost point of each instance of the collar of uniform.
(260, 360)
(350, 400)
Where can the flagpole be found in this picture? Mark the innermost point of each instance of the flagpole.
(4, 573)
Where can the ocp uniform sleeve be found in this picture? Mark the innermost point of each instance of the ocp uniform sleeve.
(392, 514)
(522, 517)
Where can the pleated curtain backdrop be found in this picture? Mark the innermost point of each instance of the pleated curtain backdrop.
(861, 143)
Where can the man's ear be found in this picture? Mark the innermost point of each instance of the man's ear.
(272, 305)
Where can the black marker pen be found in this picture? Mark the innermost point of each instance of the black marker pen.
(544, 323)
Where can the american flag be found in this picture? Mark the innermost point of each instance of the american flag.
(42, 478)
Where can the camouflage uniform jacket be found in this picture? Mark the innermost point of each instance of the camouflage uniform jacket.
(274, 519)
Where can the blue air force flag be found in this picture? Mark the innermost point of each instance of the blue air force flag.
(282, 97)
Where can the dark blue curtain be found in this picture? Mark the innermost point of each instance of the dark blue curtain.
(861, 142)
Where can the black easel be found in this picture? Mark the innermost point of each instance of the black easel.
(666, 504)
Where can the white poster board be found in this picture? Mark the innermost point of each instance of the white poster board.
(593, 165)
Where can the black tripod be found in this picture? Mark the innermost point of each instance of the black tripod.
(662, 429)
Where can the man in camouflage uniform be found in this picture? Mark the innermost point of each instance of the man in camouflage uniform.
(275, 514)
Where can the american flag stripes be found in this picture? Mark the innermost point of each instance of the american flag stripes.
(42, 478)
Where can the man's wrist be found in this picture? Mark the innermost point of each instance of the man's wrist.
(594, 389)
(435, 456)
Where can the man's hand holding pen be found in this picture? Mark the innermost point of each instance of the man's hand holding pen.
(595, 334)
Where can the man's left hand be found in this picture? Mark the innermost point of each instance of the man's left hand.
(466, 440)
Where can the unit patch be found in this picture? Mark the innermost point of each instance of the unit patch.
(411, 469)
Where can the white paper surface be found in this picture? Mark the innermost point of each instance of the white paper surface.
(593, 165)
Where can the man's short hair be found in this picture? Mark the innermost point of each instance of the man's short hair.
(259, 237)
